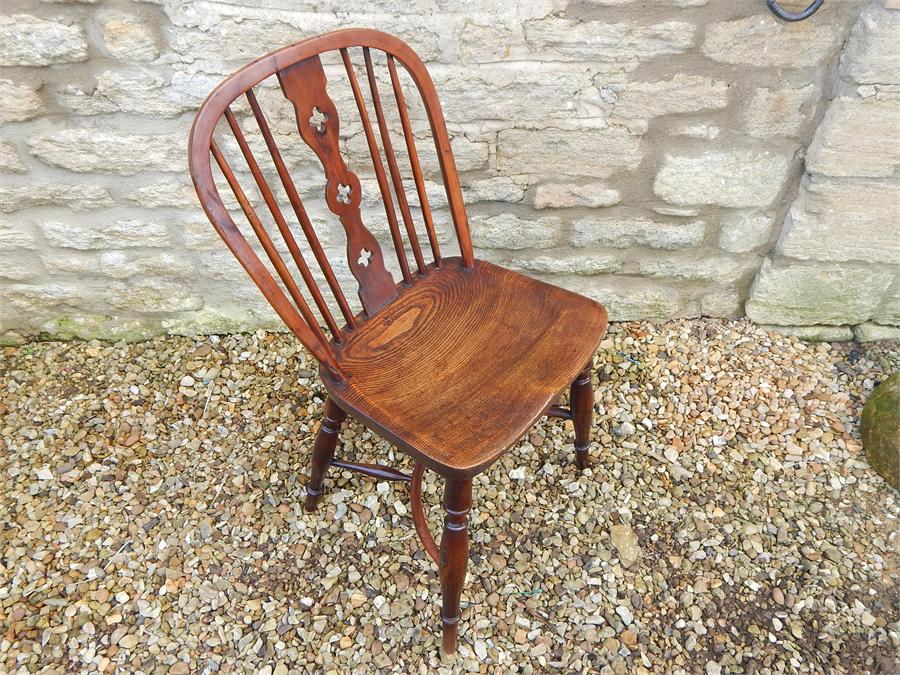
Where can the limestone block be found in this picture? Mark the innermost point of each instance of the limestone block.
(168, 192)
(19, 266)
(95, 150)
(872, 332)
(102, 234)
(559, 261)
(19, 101)
(14, 236)
(567, 195)
(129, 37)
(567, 152)
(492, 189)
(638, 102)
(119, 264)
(726, 303)
(722, 269)
(612, 47)
(840, 219)
(733, 178)
(744, 232)
(624, 232)
(798, 294)
(888, 311)
(76, 197)
(779, 112)
(149, 295)
(764, 41)
(508, 231)
(27, 40)
(629, 299)
(509, 92)
(140, 94)
(871, 55)
(857, 137)
(10, 162)
(813, 333)
(36, 299)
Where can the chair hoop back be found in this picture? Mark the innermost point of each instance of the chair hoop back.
(303, 82)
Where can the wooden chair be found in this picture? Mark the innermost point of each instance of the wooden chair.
(453, 363)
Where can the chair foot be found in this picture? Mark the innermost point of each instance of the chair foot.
(581, 396)
(454, 556)
(323, 452)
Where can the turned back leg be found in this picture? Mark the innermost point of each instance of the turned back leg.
(581, 401)
(454, 556)
(323, 451)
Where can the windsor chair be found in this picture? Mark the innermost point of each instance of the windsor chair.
(453, 362)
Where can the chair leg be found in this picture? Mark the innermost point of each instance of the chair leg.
(323, 452)
(454, 556)
(581, 401)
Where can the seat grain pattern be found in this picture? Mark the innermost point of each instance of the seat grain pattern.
(462, 363)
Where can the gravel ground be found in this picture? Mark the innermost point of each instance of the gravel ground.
(150, 499)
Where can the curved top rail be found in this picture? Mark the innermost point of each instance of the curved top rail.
(201, 143)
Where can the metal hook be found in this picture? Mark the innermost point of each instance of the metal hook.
(793, 16)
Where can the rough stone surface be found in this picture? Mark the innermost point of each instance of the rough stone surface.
(507, 231)
(19, 101)
(745, 232)
(763, 40)
(844, 215)
(128, 37)
(814, 333)
(639, 102)
(10, 161)
(792, 296)
(565, 195)
(100, 235)
(27, 40)
(851, 139)
(645, 153)
(871, 56)
(616, 46)
(730, 178)
(871, 332)
(76, 197)
(844, 220)
(780, 112)
(879, 426)
(555, 152)
(624, 232)
(98, 151)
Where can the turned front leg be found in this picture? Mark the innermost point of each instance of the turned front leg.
(454, 556)
(581, 402)
(323, 452)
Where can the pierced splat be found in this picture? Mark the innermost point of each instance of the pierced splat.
(317, 120)
(363, 258)
(303, 83)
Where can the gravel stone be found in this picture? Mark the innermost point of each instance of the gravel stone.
(151, 495)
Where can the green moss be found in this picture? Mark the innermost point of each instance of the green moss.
(880, 430)
(98, 327)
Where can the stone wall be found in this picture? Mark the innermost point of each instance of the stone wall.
(667, 157)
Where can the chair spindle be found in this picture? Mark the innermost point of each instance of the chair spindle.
(379, 168)
(300, 211)
(396, 178)
(266, 242)
(414, 161)
(286, 233)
